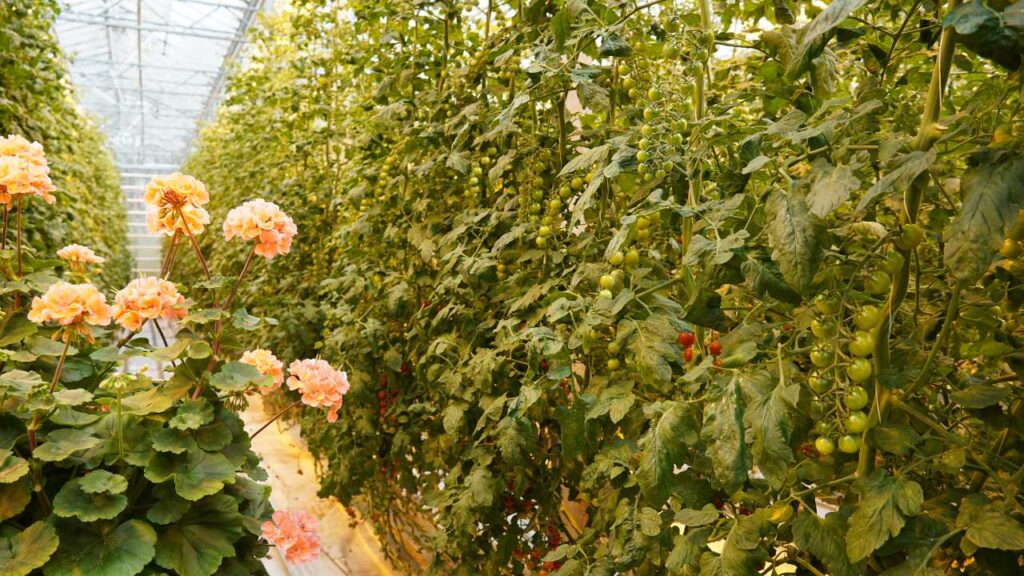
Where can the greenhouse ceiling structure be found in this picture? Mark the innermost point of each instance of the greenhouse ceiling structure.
(153, 70)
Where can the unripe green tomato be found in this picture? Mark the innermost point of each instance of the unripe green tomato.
(818, 384)
(613, 364)
(576, 183)
(544, 231)
(643, 223)
(643, 144)
(492, 151)
(826, 303)
(650, 114)
(670, 51)
(619, 276)
(654, 94)
(564, 192)
(822, 357)
(614, 348)
(632, 258)
(859, 370)
(824, 329)
(617, 259)
(605, 294)
(607, 282)
(822, 427)
(825, 446)
(485, 160)
(856, 398)
(643, 156)
(856, 422)
(642, 168)
(878, 283)
(911, 237)
(541, 242)
(633, 94)
(547, 220)
(628, 83)
(646, 130)
(1011, 248)
(867, 317)
(660, 174)
(675, 139)
(863, 343)
(643, 235)
(537, 195)
(780, 513)
(849, 444)
(555, 205)
(893, 262)
(623, 69)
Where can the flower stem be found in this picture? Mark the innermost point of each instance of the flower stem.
(17, 295)
(241, 275)
(120, 434)
(165, 269)
(195, 245)
(7, 218)
(276, 416)
(60, 363)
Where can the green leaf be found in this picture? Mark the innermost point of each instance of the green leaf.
(192, 414)
(585, 159)
(724, 433)
(988, 526)
(652, 343)
(981, 29)
(12, 467)
(662, 448)
(168, 508)
(27, 550)
(895, 438)
(824, 538)
(516, 438)
(796, 236)
(99, 481)
(72, 397)
(197, 544)
(980, 396)
(19, 382)
(41, 346)
(614, 45)
(195, 474)
(769, 421)
(173, 441)
(236, 377)
(213, 437)
(73, 501)
(561, 26)
(19, 330)
(816, 34)
(993, 192)
(907, 169)
(14, 497)
(155, 400)
(743, 552)
(693, 518)
(831, 186)
(649, 521)
(881, 512)
(122, 551)
(62, 443)
(106, 354)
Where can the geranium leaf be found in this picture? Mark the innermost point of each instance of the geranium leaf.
(195, 474)
(27, 550)
(64, 442)
(173, 441)
(99, 481)
(192, 414)
(197, 543)
(14, 497)
(72, 500)
(123, 551)
(12, 467)
(236, 376)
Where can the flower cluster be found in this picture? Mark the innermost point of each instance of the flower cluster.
(176, 205)
(71, 305)
(267, 364)
(23, 170)
(264, 222)
(79, 256)
(294, 534)
(147, 299)
(320, 385)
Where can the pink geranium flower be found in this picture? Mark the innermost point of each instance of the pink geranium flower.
(294, 534)
(320, 385)
(23, 170)
(146, 299)
(267, 364)
(79, 256)
(263, 222)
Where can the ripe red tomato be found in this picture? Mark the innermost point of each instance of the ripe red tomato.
(688, 354)
(715, 348)
(686, 338)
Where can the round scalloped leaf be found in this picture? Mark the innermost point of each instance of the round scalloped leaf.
(14, 498)
(191, 415)
(195, 474)
(63, 443)
(123, 551)
(72, 397)
(100, 481)
(72, 500)
(173, 441)
(12, 468)
(28, 550)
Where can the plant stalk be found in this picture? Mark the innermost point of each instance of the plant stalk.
(276, 416)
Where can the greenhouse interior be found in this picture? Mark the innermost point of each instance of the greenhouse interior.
(511, 287)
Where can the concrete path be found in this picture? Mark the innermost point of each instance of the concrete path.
(347, 551)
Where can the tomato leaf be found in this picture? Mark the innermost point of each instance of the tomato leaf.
(796, 237)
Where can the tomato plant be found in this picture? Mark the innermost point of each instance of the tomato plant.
(515, 211)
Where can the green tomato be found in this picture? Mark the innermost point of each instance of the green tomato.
(654, 94)
(893, 262)
(859, 370)
(616, 259)
(822, 427)
(826, 303)
(822, 357)
(650, 114)
(856, 398)
(878, 283)
(849, 444)
(818, 384)
(613, 364)
(643, 156)
(670, 51)
(544, 231)
(541, 242)
(605, 294)
(863, 343)
(825, 446)
(780, 513)
(856, 422)
(628, 83)
(867, 317)
(824, 329)
(613, 348)
(607, 281)
(911, 237)
(632, 258)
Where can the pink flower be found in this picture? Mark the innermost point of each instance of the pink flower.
(320, 385)
(294, 534)
(23, 170)
(175, 191)
(264, 222)
(79, 256)
(267, 364)
(70, 304)
(146, 299)
(169, 221)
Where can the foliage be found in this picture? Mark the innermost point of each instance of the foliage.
(516, 213)
(37, 101)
